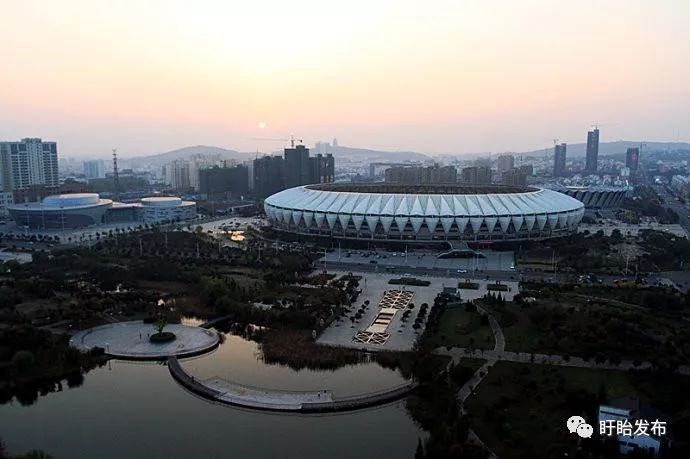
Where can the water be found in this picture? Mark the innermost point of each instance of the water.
(236, 360)
(136, 410)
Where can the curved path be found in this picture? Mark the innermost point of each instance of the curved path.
(227, 392)
(130, 340)
(500, 354)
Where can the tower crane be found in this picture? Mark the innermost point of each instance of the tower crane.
(292, 140)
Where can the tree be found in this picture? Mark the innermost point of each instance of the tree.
(419, 453)
(160, 323)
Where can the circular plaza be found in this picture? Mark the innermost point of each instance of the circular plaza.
(131, 340)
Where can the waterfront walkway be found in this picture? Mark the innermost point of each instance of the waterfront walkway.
(130, 340)
(223, 391)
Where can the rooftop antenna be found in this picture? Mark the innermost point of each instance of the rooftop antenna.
(116, 176)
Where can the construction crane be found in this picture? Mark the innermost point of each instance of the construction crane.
(116, 176)
(292, 140)
(598, 125)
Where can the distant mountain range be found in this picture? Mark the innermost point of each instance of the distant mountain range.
(364, 154)
(158, 160)
(612, 148)
(375, 155)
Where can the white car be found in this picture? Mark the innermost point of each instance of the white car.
(462, 271)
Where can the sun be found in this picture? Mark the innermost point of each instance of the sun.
(261, 124)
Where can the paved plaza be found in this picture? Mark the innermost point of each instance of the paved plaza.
(374, 332)
(131, 340)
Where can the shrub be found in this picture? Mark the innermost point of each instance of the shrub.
(162, 337)
(468, 285)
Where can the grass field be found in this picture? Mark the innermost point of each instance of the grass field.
(460, 328)
(520, 410)
(577, 325)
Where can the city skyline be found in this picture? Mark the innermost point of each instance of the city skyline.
(449, 78)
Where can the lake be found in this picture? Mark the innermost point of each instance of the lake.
(136, 410)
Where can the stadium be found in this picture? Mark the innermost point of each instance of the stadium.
(596, 197)
(390, 212)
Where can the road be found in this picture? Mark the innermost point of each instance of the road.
(526, 276)
(419, 271)
(683, 210)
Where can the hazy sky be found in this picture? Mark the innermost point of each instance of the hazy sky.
(457, 76)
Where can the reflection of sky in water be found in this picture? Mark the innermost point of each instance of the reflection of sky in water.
(239, 360)
(136, 410)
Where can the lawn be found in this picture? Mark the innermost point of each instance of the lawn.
(578, 325)
(520, 409)
(461, 328)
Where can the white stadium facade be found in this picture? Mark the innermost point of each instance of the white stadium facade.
(597, 196)
(390, 212)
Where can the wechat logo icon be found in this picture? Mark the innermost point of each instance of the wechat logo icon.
(578, 425)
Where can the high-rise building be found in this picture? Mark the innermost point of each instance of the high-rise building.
(559, 156)
(295, 169)
(527, 169)
(183, 174)
(632, 158)
(176, 174)
(513, 177)
(592, 151)
(6, 200)
(322, 169)
(224, 182)
(297, 166)
(249, 164)
(441, 174)
(94, 169)
(268, 175)
(421, 175)
(505, 163)
(476, 175)
(29, 162)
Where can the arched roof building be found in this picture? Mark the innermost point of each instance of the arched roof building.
(424, 212)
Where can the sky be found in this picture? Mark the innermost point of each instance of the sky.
(458, 76)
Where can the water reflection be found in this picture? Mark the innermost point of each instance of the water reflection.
(239, 360)
(138, 411)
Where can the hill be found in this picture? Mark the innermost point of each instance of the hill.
(612, 148)
(374, 155)
(339, 152)
(185, 153)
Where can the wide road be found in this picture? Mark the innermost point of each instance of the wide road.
(683, 210)
(488, 274)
